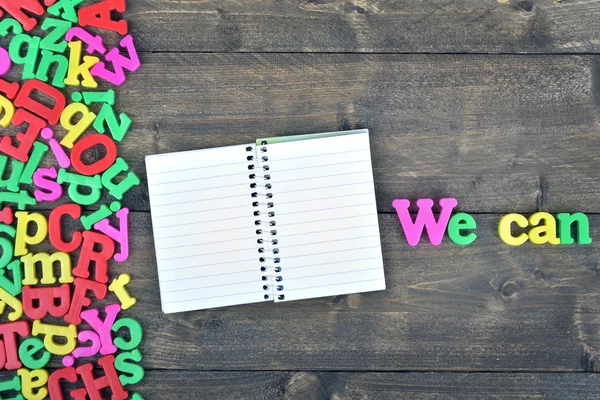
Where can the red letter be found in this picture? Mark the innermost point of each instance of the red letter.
(78, 301)
(99, 166)
(74, 210)
(98, 15)
(46, 297)
(26, 139)
(110, 379)
(54, 388)
(52, 115)
(8, 347)
(100, 258)
(16, 7)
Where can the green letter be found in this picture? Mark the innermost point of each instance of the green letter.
(583, 228)
(459, 222)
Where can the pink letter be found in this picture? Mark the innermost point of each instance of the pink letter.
(120, 236)
(119, 62)
(103, 328)
(94, 43)
(435, 230)
(39, 179)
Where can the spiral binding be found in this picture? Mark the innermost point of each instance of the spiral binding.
(266, 231)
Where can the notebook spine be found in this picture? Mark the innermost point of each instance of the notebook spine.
(266, 231)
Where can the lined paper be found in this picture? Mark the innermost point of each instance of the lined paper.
(326, 216)
(204, 233)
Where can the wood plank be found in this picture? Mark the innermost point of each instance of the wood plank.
(305, 385)
(435, 26)
(499, 133)
(483, 307)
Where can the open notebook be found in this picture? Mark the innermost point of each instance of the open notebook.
(283, 219)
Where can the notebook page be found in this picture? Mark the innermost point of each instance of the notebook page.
(204, 232)
(326, 216)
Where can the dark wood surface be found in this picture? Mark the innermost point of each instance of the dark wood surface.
(496, 103)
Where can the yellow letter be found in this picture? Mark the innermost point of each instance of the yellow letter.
(118, 287)
(50, 331)
(23, 239)
(76, 69)
(7, 298)
(504, 229)
(31, 380)
(543, 233)
(47, 261)
(77, 129)
(6, 105)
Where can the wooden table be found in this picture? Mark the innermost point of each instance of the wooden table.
(495, 103)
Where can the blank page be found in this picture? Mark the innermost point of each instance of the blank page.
(326, 216)
(204, 232)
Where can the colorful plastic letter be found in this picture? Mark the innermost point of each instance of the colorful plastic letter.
(54, 387)
(13, 286)
(62, 66)
(8, 108)
(135, 333)
(545, 233)
(29, 61)
(100, 258)
(504, 229)
(31, 380)
(99, 16)
(55, 222)
(94, 43)
(21, 199)
(79, 299)
(120, 236)
(75, 130)
(435, 229)
(27, 351)
(77, 69)
(11, 24)
(88, 98)
(459, 222)
(26, 139)
(40, 180)
(17, 10)
(76, 181)
(117, 190)
(59, 152)
(103, 328)
(51, 331)
(5, 61)
(46, 299)
(135, 372)
(23, 238)
(107, 116)
(87, 143)
(118, 287)
(8, 299)
(68, 7)
(52, 115)
(8, 344)
(55, 39)
(103, 212)
(110, 379)
(6, 215)
(83, 351)
(565, 220)
(10, 89)
(35, 159)
(119, 63)
(12, 183)
(14, 385)
(47, 261)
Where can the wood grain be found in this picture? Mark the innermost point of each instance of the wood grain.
(435, 26)
(499, 133)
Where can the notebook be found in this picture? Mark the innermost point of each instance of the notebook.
(281, 219)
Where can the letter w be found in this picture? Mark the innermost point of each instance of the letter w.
(435, 229)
